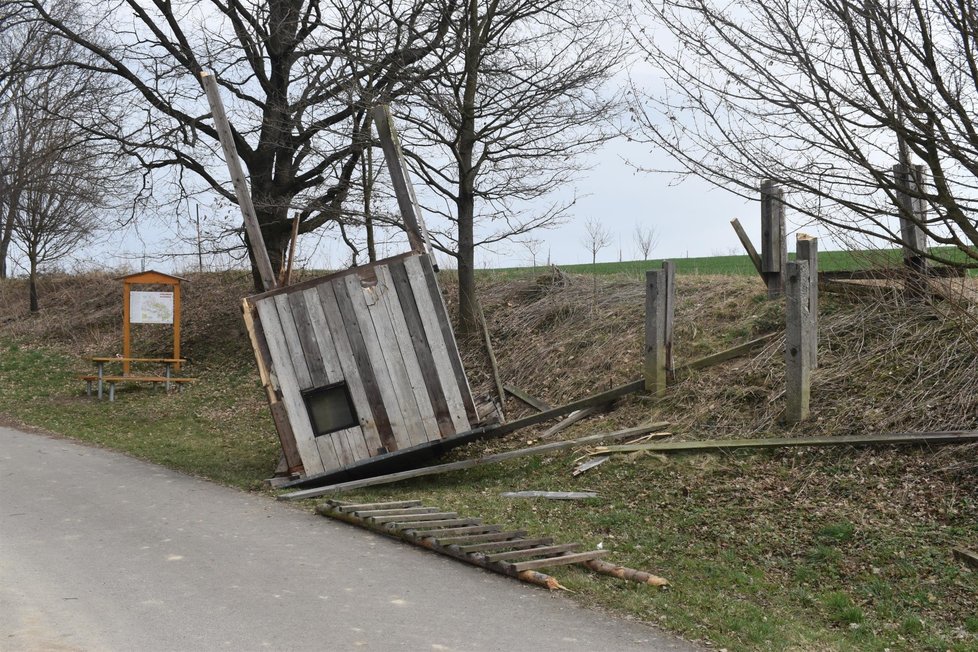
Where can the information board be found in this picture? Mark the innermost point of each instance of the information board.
(151, 307)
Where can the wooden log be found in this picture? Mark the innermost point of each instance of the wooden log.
(755, 258)
(718, 445)
(241, 192)
(774, 254)
(520, 395)
(806, 249)
(468, 464)
(624, 573)
(798, 371)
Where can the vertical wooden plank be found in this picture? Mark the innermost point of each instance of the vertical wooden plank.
(655, 336)
(774, 253)
(439, 346)
(388, 300)
(337, 371)
(422, 349)
(126, 288)
(669, 269)
(291, 339)
(806, 249)
(400, 178)
(311, 352)
(224, 134)
(445, 324)
(340, 314)
(264, 361)
(797, 337)
(375, 327)
(176, 325)
(283, 371)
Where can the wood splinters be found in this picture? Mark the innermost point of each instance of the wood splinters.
(542, 579)
(624, 573)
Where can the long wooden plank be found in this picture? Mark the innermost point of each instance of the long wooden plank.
(532, 401)
(472, 539)
(532, 552)
(438, 301)
(953, 437)
(966, 556)
(351, 508)
(511, 544)
(727, 354)
(404, 511)
(400, 177)
(467, 464)
(422, 348)
(755, 258)
(338, 362)
(400, 405)
(561, 560)
(282, 370)
(445, 523)
(371, 301)
(226, 137)
(409, 518)
(439, 348)
(339, 315)
(470, 529)
(387, 299)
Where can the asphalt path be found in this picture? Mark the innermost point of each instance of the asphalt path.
(99, 551)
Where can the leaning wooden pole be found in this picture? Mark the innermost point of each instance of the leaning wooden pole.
(255, 239)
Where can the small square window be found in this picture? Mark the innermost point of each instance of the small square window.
(330, 409)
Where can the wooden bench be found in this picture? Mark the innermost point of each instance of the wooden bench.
(112, 380)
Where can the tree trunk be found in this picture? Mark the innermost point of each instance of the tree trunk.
(33, 284)
(468, 303)
(13, 199)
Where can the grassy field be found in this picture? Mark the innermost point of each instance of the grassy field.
(828, 549)
(828, 261)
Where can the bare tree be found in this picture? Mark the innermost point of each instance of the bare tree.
(532, 246)
(506, 121)
(596, 237)
(298, 78)
(647, 238)
(824, 97)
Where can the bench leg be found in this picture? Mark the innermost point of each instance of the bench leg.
(167, 377)
(111, 391)
(88, 388)
(101, 369)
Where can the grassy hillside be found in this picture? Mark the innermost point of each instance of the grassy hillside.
(828, 549)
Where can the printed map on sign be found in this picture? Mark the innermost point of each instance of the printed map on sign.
(151, 307)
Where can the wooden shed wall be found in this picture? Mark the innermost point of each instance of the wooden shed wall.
(384, 330)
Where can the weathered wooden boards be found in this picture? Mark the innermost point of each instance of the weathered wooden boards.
(492, 547)
(381, 331)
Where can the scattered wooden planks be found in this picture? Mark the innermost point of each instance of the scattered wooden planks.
(952, 437)
(532, 401)
(467, 464)
(966, 556)
(486, 546)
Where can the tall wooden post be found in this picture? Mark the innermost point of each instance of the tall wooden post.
(909, 182)
(252, 227)
(798, 336)
(660, 299)
(806, 248)
(774, 251)
(176, 326)
(126, 333)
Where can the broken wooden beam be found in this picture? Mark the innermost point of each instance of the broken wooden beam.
(573, 418)
(727, 354)
(716, 445)
(532, 401)
(755, 258)
(468, 464)
(966, 556)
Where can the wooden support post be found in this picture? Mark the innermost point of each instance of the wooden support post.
(806, 248)
(797, 342)
(252, 227)
(401, 180)
(755, 258)
(659, 311)
(774, 253)
(909, 182)
(126, 333)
